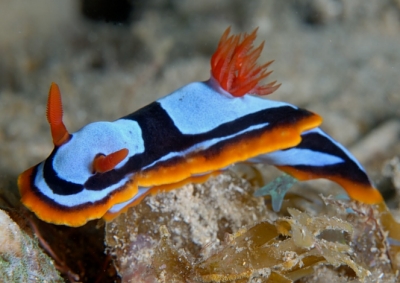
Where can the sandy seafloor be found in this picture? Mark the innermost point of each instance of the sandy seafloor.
(340, 59)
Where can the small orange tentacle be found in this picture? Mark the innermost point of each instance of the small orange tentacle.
(54, 114)
(104, 163)
(234, 65)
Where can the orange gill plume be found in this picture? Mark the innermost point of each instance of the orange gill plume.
(234, 65)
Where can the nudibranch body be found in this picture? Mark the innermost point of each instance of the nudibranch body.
(186, 136)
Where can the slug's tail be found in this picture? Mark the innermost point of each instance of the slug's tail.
(234, 65)
(320, 156)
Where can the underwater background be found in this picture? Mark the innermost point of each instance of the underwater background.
(340, 59)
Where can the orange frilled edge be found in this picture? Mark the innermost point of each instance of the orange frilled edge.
(234, 65)
(280, 137)
(363, 193)
(74, 216)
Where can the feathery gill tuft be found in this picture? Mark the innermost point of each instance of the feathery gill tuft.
(234, 65)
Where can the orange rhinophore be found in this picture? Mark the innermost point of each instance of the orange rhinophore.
(103, 163)
(54, 116)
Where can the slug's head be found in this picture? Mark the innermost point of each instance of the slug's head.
(101, 163)
(84, 175)
(234, 65)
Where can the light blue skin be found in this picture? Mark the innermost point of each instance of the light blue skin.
(189, 106)
(73, 161)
